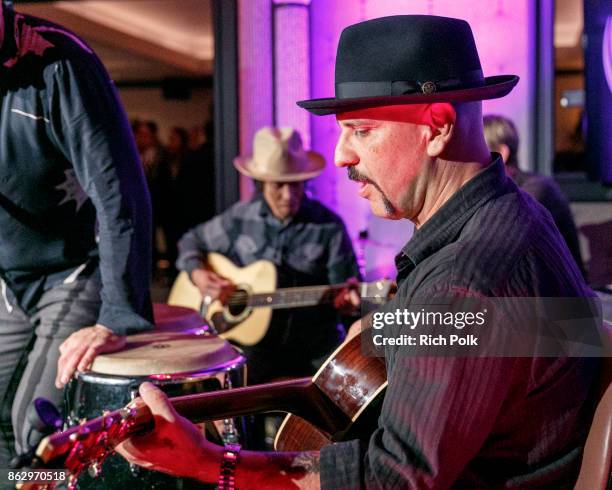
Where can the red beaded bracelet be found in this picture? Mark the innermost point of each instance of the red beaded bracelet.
(227, 481)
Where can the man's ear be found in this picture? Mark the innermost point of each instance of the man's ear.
(504, 151)
(439, 138)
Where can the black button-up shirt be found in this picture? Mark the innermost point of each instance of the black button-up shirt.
(487, 422)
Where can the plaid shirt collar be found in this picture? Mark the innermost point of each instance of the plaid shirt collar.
(266, 213)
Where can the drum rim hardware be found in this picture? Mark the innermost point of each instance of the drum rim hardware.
(161, 378)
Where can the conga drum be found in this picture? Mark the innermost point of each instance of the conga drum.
(179, 363)
(170, 318)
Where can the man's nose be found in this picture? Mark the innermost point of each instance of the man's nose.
(286, 192)
(344, 156)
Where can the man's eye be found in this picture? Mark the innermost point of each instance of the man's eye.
(360, 133)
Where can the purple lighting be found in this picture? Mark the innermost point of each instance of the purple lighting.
(606, 50)
(291, 65)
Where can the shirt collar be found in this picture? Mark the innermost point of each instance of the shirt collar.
(444, 226)
(266, 212)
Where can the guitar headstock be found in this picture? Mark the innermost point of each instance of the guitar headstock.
(378, 292)
(88, 444)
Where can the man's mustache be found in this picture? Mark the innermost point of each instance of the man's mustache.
(354, 174)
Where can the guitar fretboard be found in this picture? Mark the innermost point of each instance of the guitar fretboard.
(288, 297)
(305, 295)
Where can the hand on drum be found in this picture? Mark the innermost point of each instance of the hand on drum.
(80, 349)
(211, 285)
(175, 445)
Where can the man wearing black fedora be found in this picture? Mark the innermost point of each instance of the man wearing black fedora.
(408, 103)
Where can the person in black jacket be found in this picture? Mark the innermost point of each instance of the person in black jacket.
(74, 218)
(502, 137)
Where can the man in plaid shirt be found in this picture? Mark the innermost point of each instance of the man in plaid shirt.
(307, 242)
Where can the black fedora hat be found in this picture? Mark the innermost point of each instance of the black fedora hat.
(408, 59)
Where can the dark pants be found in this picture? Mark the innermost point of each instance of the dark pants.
(29, 350)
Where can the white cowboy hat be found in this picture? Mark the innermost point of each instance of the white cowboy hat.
(278, 156)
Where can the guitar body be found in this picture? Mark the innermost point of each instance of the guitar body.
(246, 326)
(184, 293)
(244, 316)
(356, 384)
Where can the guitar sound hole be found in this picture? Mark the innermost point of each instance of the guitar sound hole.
(237, 303)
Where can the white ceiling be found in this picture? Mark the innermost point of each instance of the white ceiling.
(139, 39)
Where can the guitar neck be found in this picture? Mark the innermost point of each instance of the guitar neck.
(296, 297)
(298, 396)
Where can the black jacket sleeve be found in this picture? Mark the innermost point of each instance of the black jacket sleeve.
(91, 129)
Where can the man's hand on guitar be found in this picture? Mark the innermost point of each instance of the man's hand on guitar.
(211, 285)
(175, 446)
(348, 301)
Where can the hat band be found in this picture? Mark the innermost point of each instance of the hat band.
(351, 90)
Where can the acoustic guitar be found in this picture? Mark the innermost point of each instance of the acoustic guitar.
(340, 402)
(244, 317)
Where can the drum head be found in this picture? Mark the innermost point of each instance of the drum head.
(176, 318)
(152, 353)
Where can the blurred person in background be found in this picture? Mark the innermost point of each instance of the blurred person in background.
(152, 156)
(150, 149)
(174, 192)
(199, 176)
(502, 137)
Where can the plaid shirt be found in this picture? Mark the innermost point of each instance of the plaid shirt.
(477, 422)
(313, 248)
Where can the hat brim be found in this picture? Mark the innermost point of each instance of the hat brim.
(244, 165)
(493, 88)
